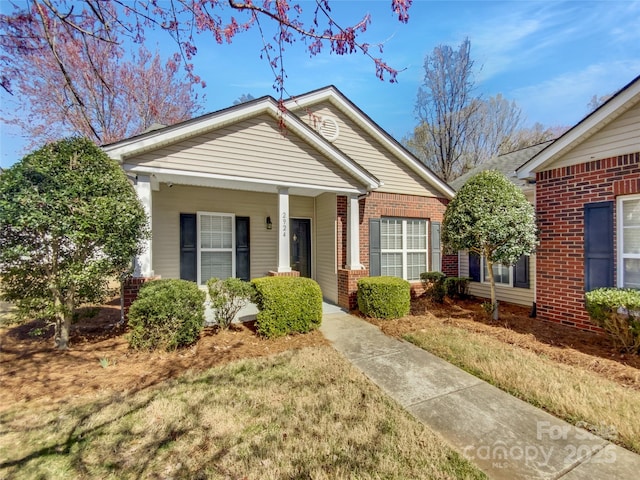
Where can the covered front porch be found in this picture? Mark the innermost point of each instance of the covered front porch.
(207, 226)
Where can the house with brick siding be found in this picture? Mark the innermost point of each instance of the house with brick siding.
(587, 198)
(308, 187)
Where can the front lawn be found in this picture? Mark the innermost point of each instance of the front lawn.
(303, 413)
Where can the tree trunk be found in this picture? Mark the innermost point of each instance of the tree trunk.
(492, 283)
(63, 324)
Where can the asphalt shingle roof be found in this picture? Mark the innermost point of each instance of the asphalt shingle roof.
(507, 164)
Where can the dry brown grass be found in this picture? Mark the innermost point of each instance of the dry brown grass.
(576, 394)
(300, 414)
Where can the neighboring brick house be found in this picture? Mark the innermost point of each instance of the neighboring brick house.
(332, 197)
(587, 197)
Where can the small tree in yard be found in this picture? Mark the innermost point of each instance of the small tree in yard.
(490, 216)
(69, 222)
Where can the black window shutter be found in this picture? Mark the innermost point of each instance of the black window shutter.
(436, 253)
(598, 245)
(521, 272)
(243, 264)
(374, 247)
(188, 247)
(474, 266)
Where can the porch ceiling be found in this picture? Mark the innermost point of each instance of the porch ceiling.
(171, 178)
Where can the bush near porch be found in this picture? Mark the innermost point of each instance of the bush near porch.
(384, 297)
(287, 305)
(167, 314)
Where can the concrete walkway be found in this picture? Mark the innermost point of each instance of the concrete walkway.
(506, 437)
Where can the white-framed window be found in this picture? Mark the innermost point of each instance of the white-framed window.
(629, 241)
(403, 247)
(216, 246)
(501, 274)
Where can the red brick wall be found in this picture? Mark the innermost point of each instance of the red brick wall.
(376, 205)
(130, 288)
(560, 197)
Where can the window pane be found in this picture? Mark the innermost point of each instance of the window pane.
(631, 273)
(631, 239)
(631, 212)
(500, 273)
(390, 234)
(391, 264)
(215, 264)
(416, 235)
(216, 231)
(416, 264)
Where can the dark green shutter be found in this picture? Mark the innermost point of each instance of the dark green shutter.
(436, 253)
(188, 247)
(598, 245)
(521, 272)
(474, 266)
(374, 247)
(243, 264)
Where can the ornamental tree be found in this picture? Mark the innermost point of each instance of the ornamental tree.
(491, 217)
(85, 86)
(184, 22)
(69, 222)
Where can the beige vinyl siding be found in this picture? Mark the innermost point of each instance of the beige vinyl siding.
(370, 154)
(168, 203)
(326, 274)
(519, 296)
(254, 148)
(618, 138)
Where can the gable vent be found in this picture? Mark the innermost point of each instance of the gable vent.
(328, 128)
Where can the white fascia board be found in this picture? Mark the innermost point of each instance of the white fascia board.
(145, 142)
(141, 169)
(332, 95)
(587, 127)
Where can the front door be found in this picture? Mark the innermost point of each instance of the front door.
(301, 246)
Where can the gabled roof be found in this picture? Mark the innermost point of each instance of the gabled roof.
(625, 99)
(152, 140)
(338, 99)
(507, 163)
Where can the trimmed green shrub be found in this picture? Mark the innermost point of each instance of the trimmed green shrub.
(228, 296)
(287, 305)
(384, 297)
(167, 314)
(457, 287)
(617, 312)
(433, 284)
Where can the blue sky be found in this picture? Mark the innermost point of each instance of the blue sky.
(550, 57)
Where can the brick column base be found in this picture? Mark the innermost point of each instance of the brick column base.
(348, 287)
(292, 273)
(130, 288)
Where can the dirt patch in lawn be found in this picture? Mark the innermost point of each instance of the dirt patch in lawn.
(587, 350)
(100, 359)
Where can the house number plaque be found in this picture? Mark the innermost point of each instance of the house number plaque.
(284, 224)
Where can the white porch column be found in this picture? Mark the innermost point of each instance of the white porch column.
(353, 234)
(284, 255)
(142, 263)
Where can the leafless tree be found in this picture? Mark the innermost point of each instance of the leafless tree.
(458, 130)
(446, 107)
